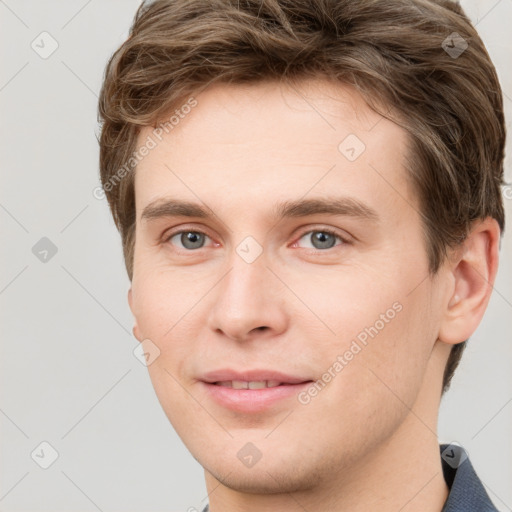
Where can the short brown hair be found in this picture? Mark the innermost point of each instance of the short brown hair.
(421, 58)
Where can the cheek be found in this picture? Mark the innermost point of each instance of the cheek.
(371, 383)
(171, 305)
(392, 350)
(342, 303)
(163, 298)
(376, 336)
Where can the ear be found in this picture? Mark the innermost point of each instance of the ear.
(135, 329)
(473, 271)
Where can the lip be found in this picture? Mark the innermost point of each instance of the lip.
(251, 400)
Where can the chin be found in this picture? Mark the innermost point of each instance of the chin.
(263, 483)
(264, 478)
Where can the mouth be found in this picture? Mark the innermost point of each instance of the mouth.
(252, 391)
(255, 384)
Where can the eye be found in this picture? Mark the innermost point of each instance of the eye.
(189, 239)
(322, 239)
(319, 239)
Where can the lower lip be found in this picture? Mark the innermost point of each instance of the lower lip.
(252, 400)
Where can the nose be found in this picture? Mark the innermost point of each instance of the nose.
(249, 301)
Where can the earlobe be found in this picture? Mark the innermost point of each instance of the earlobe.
(136, 333)
(473, 273)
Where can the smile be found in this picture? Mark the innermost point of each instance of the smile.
(242, 384)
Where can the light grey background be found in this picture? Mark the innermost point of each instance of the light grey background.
(68, 375)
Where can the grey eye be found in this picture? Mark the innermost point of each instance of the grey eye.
(320, 239)
(190, 239)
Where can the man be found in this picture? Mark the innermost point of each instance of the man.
(308, 195)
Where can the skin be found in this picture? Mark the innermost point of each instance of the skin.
(368, 439)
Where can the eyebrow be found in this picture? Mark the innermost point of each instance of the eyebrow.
(167, 207)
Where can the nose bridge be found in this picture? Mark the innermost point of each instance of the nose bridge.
(246, 285)
(246, 297)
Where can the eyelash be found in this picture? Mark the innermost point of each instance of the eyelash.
(329, 231)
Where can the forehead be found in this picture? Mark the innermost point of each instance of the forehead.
(252, 142)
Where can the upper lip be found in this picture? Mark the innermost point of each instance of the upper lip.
(251, 376)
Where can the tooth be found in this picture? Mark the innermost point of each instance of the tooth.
(257, 384)
(240, 384)
(272, 383)
(225, 383)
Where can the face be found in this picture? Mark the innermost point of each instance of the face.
(307, 268)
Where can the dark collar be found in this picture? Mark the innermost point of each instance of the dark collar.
(467, 494)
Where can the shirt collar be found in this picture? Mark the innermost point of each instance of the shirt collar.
(467, 493)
